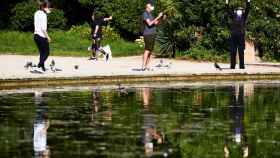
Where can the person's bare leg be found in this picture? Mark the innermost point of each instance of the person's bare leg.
(145, 59)
(149, 60)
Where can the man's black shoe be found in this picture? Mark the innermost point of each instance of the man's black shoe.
(43, 68)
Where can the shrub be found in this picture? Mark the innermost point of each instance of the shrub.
(23, 14)
(83, 30)
(109, 34)
(23, 17)
(56, 20)
(125, 14)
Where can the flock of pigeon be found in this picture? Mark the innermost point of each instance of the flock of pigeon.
(33, 68)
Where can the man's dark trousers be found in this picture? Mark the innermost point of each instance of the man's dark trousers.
(237, 45)
(44, 49)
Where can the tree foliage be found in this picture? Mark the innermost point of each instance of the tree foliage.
(193, 23)
(23, 16)
(190, 23)
(125, 13)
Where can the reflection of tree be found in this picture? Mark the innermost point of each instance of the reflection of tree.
(41, 125)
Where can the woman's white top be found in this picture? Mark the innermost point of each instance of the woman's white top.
(40, 23)
(40, 137)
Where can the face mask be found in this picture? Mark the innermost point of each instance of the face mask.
(47, 10)
(239, 12)
(152, 8)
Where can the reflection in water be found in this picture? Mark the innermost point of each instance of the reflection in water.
(129, 122)
(151, 137)
(98, 108)
(95, 105)
(237, 115)
(41, 125)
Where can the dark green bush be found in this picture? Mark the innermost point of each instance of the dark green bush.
(23, 17)
(125, 14)
(109, 34)
(23, 14)
(56, 20)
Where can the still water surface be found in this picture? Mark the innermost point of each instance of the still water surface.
(206, 121)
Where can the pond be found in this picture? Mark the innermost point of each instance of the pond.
(206, 120)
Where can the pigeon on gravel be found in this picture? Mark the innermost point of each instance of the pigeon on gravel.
(52, 65)
(217, 66)
(162, 65)
(29, 65)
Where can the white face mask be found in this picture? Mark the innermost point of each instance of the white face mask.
(47, 10)
(239, 12)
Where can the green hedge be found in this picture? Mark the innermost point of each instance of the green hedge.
(23, 17)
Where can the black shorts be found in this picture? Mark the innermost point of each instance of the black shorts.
(149, 42)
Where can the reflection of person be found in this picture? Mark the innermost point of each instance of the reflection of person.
(238, 27)
(95, 102)
(41, 125)
(151, 136)
(41, 36)
(96, 32)
(96, 108)
(237, 115)
(149, 33)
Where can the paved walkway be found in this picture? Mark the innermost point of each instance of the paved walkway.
(12, 67)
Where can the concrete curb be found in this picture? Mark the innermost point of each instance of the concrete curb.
(121, 79)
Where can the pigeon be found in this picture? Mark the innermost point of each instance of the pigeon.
(217, 66)
(122, 90)
(160, 64)
(52, 65)
(169, 65)
(28, 65)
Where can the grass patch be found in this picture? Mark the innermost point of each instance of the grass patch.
(63, 44)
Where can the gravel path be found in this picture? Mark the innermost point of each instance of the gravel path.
(12, 67)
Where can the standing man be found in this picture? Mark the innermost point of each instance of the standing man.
(149, 33)
(41, 36)
(96, 32)
(238, 28)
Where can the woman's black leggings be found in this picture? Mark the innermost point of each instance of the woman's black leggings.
(44, 49)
